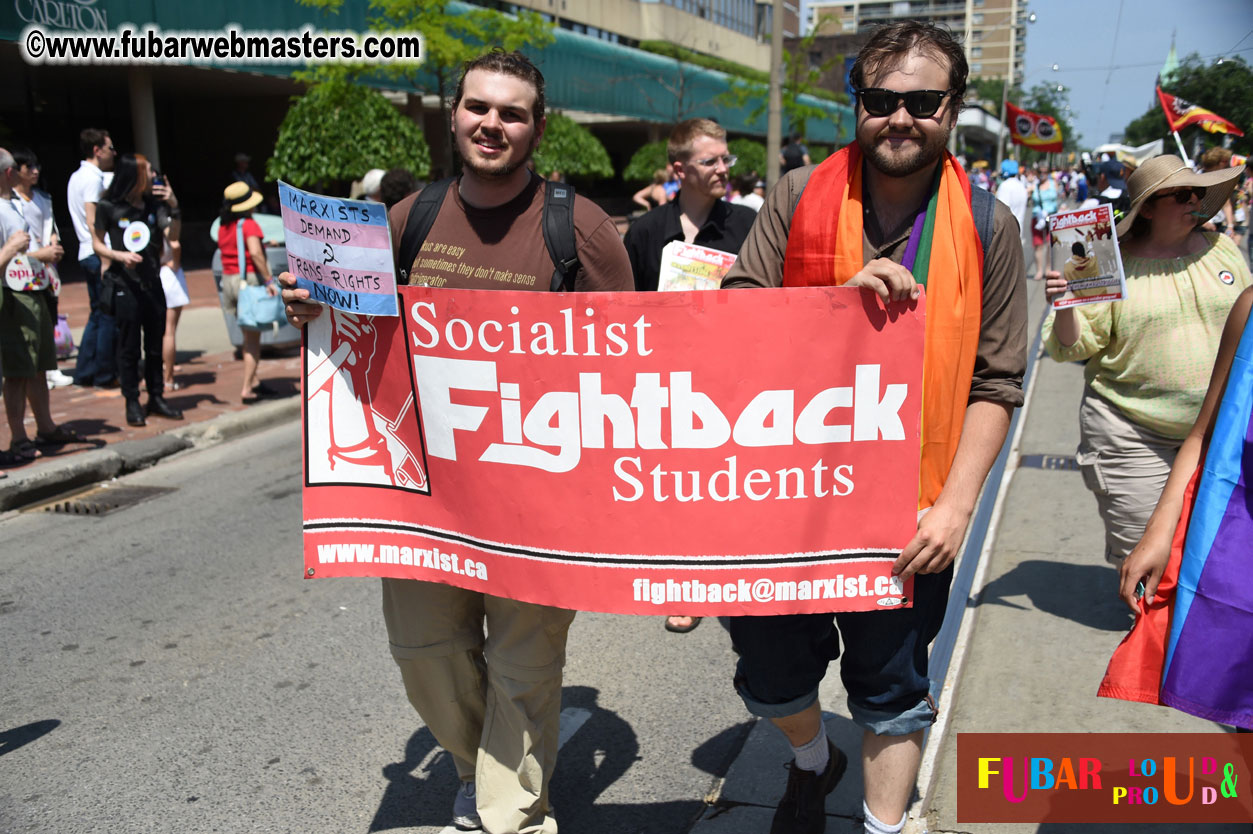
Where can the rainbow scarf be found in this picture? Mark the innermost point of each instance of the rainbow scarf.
(1192, 647)
(944, 254)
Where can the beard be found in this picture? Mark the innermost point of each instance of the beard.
(494, 169)
(902, 163)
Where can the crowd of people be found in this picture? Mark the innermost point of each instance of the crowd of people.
(885, 214)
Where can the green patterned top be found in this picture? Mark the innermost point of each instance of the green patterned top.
(1151, 354)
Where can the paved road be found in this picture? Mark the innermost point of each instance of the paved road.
(169, 670)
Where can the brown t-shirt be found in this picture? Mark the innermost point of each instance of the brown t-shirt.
(502, 248)
(1001, 358)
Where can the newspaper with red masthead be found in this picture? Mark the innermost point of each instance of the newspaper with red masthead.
(687, 266)
(1083, 247)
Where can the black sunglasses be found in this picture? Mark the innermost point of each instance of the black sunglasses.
(1182, 197)
(921, 104)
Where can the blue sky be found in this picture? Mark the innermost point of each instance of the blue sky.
(1109, 60)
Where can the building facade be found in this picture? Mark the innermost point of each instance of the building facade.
(994, 31)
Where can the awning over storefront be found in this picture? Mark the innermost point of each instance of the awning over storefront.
(583, 73)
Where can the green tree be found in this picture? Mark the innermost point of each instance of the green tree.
(800, 78)
(449, 40)
(570, 148)
(752, 157)
(647, 159)
(337, 130)
(1047, 99)
(1222, 88)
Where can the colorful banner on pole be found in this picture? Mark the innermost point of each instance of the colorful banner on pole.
(340, 251)
(1034, 130)
(718, 453)
(1180, 113)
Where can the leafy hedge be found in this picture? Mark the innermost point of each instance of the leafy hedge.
(570, 148)
(337, 131)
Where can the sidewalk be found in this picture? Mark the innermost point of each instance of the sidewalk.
(209, 379)
(1045, 618)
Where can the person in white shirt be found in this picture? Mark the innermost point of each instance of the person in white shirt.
(96, 364)
(1011, 190)
(748, 193)
(45, 245)
(26, 346)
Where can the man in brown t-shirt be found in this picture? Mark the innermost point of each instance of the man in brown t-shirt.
(912, 76)
(488, 235)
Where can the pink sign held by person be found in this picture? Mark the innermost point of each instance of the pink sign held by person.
(340, 251)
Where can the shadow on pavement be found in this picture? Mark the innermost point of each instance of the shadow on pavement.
(17, 737)
(420, 789)
(1085, 594)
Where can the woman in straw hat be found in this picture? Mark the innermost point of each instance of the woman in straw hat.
(1148, 357)
(238, 201)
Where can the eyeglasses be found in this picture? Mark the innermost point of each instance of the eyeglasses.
(728, 159)
(921, 104)
(1184, 196)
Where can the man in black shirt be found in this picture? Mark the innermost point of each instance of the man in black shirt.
(698, 152)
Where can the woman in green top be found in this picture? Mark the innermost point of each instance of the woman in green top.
(1148, 357)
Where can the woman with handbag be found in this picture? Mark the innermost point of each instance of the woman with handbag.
(129, 237)
(1148, 357)
(237, 232)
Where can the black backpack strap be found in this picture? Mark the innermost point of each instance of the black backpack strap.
(418, 224)
(558, 223)
(983, 207)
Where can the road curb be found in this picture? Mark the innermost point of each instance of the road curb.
(59, 475)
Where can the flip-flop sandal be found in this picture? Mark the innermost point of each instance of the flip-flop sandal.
(681, 629)
(24, 450)
(59, 437)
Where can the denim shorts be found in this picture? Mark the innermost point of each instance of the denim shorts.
(884, 667)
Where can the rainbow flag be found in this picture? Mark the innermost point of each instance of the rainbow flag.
(1209, 653)
(1192, 646)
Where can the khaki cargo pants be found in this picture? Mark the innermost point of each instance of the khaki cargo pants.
(491, 700)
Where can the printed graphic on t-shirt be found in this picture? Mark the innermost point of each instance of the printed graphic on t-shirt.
(438, 263)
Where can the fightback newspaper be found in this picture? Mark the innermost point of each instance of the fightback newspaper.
(1083, 247)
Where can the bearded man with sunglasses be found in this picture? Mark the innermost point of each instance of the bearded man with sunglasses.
(890, 213)
(698, 151)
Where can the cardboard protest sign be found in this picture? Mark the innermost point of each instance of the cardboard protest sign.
(340, 251)
(688, 266)
(737, 452)
(1083, 246)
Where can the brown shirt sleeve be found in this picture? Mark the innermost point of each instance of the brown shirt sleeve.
(1001, 359)
(760, 262)
(605, 265)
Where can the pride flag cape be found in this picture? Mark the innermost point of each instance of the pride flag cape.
(944, 254)
(1192, 648)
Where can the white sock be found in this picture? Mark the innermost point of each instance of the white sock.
(813, 755)
(876, 826)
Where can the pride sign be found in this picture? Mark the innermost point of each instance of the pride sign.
(340, 251)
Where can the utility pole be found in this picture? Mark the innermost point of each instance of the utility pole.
(774, 103)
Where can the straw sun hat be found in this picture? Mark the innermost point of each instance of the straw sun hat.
(240, 197)
(1168, 171)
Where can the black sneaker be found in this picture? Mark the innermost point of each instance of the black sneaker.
(803, 807)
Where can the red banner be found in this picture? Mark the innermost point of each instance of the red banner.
(1034, 130)
(716, 453)
(1181, 113)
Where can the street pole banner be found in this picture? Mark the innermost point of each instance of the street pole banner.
(340, 251)
(707, 453)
